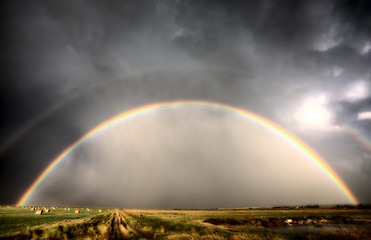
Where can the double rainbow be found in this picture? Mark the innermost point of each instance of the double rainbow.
(294, 140)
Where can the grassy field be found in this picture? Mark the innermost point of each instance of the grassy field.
(15, 220)
(23, 223)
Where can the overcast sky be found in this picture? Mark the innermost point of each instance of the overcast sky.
(70, 65)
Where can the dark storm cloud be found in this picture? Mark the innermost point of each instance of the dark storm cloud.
(348, 110)
(103, 57)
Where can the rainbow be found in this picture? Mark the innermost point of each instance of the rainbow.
(359, 136)
(294, 140)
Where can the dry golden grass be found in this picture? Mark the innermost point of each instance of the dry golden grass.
(182, 224)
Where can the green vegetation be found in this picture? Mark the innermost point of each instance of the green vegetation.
(22, 223)
(19, 219)
(251, 224)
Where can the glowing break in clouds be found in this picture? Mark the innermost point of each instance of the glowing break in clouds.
(364, 115)
(312, 114)
(274, 127)
(357, 91)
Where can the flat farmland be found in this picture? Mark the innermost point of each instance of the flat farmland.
(58, 223)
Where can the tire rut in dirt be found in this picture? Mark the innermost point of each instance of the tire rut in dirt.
(118, 227)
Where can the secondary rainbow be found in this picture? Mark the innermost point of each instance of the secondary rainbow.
(316, 158)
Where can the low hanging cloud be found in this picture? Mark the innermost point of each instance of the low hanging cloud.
(364, 115)
(357, 91)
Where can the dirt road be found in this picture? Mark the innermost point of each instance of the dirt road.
(118, 227)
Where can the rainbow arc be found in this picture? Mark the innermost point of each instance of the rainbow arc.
(316, 158)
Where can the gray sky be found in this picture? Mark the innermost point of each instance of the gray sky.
(71, 65)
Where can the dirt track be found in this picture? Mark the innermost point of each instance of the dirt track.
(117, 226)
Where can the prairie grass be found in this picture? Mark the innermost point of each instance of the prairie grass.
(19, 219)
(242, 224)
(21, 223)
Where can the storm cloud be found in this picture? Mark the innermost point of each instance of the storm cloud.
(71, 65)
